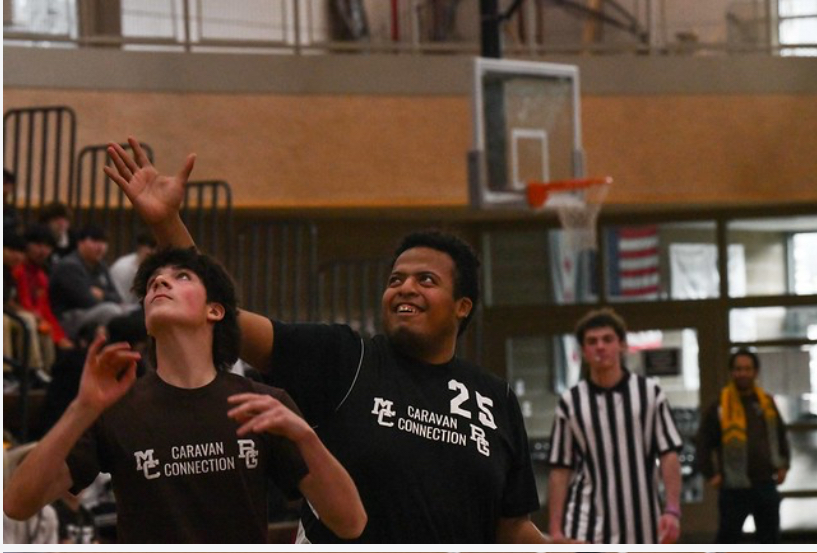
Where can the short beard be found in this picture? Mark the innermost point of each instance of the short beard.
(407, 343)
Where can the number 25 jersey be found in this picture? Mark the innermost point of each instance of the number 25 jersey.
(439, 453)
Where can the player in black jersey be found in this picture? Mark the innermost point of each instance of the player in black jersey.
(436, 445)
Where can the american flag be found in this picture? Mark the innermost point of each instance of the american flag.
(633, 255)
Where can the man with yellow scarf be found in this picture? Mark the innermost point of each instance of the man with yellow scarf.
(747, 436)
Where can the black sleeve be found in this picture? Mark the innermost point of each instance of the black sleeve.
(783, 439)
(316, 364)
(85, 461)
(708, 442)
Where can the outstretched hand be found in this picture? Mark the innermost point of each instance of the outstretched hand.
(157, 198)
(107, 375)
(262, 413)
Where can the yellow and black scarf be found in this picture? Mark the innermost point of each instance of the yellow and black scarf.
(733, 435)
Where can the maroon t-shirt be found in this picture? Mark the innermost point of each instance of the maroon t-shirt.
(179, 471)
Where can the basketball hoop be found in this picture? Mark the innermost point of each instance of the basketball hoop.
(577, 203)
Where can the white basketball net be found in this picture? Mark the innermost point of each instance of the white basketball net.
(578, 212)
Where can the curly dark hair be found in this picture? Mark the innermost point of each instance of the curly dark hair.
(466, 263)
(220, 289)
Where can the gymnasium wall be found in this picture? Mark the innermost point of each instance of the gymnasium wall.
(393, 131)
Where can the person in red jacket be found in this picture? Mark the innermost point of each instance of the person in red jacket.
(32, 291)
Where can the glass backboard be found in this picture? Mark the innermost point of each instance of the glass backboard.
(526, 129)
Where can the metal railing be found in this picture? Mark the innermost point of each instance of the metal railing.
(39, 148)
(538, 27)
(349, 292)
(207, 210)
(98, 200)
(276, 269)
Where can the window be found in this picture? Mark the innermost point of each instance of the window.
(804, 244)
(771, 256)
(753, 324)
(43, 17)
(215, 21)
(153, 18)
(797, 26)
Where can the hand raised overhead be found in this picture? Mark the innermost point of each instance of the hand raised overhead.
(157, 198)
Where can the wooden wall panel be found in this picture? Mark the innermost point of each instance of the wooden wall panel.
(290, 150)
(704, 149)
(409, 151)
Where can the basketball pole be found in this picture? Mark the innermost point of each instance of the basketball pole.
(491, 39)
(491, 25)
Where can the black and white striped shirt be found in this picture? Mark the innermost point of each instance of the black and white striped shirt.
(611, 438)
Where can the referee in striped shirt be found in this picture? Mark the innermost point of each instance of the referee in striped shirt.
(611, 431)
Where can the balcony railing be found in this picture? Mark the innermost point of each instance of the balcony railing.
(536, 28)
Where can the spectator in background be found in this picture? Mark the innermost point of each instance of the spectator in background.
(14, 253)
(81, 287)
(743, 452)
(13, 333)
(124, 269)
(32, 292)
(57, 217)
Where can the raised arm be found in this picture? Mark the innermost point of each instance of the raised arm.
(158, 199)
(256, 339)
(43, 476)
(328, 486)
